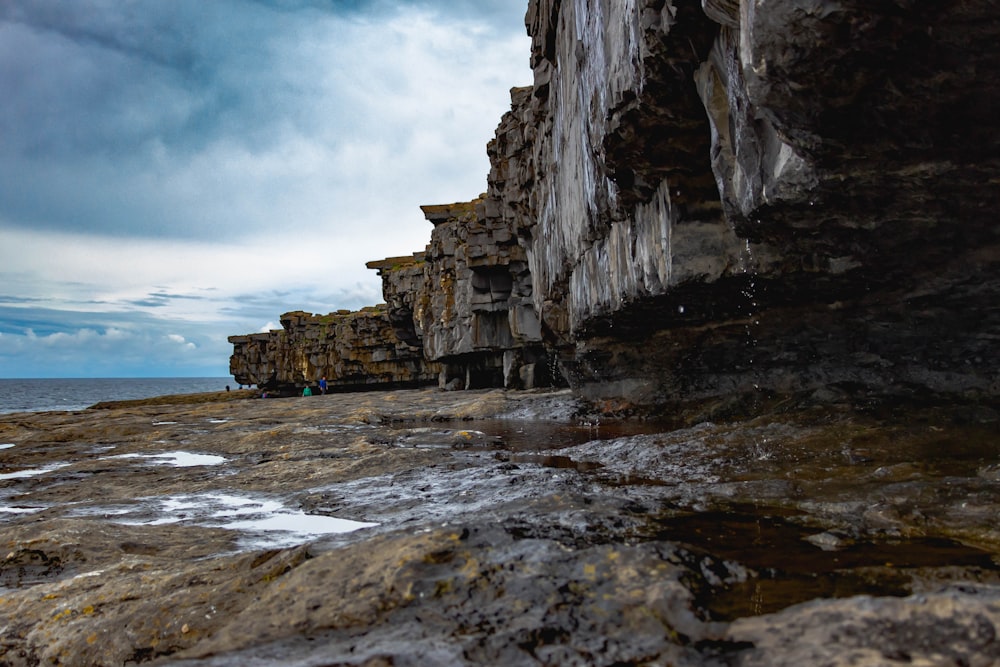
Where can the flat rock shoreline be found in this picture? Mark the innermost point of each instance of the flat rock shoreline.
(424, 527)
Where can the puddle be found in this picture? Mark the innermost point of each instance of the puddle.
(553, 461)
(265, 523)
(177, 459)
(439, 438)
(340, 428)
(517, 442)
(7, 445)
(19, 510)
(793, 564)
(300, 524)
(523, 436)
(510, 435)
(32, 472)
(498, 434)
(164, 423)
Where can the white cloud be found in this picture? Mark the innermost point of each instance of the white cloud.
(195, 170)
(111, 352)
(179, 339)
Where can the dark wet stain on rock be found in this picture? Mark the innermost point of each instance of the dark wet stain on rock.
(787, 564)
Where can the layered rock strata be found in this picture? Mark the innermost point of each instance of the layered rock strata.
(352, 350)
(729, 199)
(828, 220)
(467, 300)
(459, 314)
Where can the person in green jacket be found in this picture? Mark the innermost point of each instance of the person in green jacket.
(307, 392)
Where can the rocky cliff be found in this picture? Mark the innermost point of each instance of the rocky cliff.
(738, 197)
(729, 199)
(467, 300)
(459, 314)
(352, 350)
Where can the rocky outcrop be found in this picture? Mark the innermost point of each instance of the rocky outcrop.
(823, 215)
(460, 314)
(442, 529)
(728, 198)
(352, 350)
(467, 300)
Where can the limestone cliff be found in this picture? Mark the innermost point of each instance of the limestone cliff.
(459, 314)
(849, 237)
(467, 300)
(353, 350)
(729, 198)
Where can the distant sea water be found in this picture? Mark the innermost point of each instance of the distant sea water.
(35, 395)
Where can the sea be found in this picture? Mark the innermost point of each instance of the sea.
(36, 395)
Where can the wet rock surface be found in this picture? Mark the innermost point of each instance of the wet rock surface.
(491, 527)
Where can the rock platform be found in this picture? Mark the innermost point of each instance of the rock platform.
(499, 527)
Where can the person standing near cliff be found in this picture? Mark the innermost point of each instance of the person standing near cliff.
(322, 385)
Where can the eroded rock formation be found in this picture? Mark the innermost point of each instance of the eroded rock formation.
(729, 199)
(467, 300)
(849, 237)
(460, 313)
(352, 350)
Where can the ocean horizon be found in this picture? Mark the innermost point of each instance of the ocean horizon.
(68, 394)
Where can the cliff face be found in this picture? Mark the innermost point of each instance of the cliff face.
(467, 300)
(459, 314)
(747, 196)
(353, 350)
(730, 199)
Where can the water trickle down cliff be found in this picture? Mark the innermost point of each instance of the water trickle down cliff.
(722, 199)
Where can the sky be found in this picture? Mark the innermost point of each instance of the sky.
(173, 172)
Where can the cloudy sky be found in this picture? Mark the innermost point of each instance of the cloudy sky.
(173, 172)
